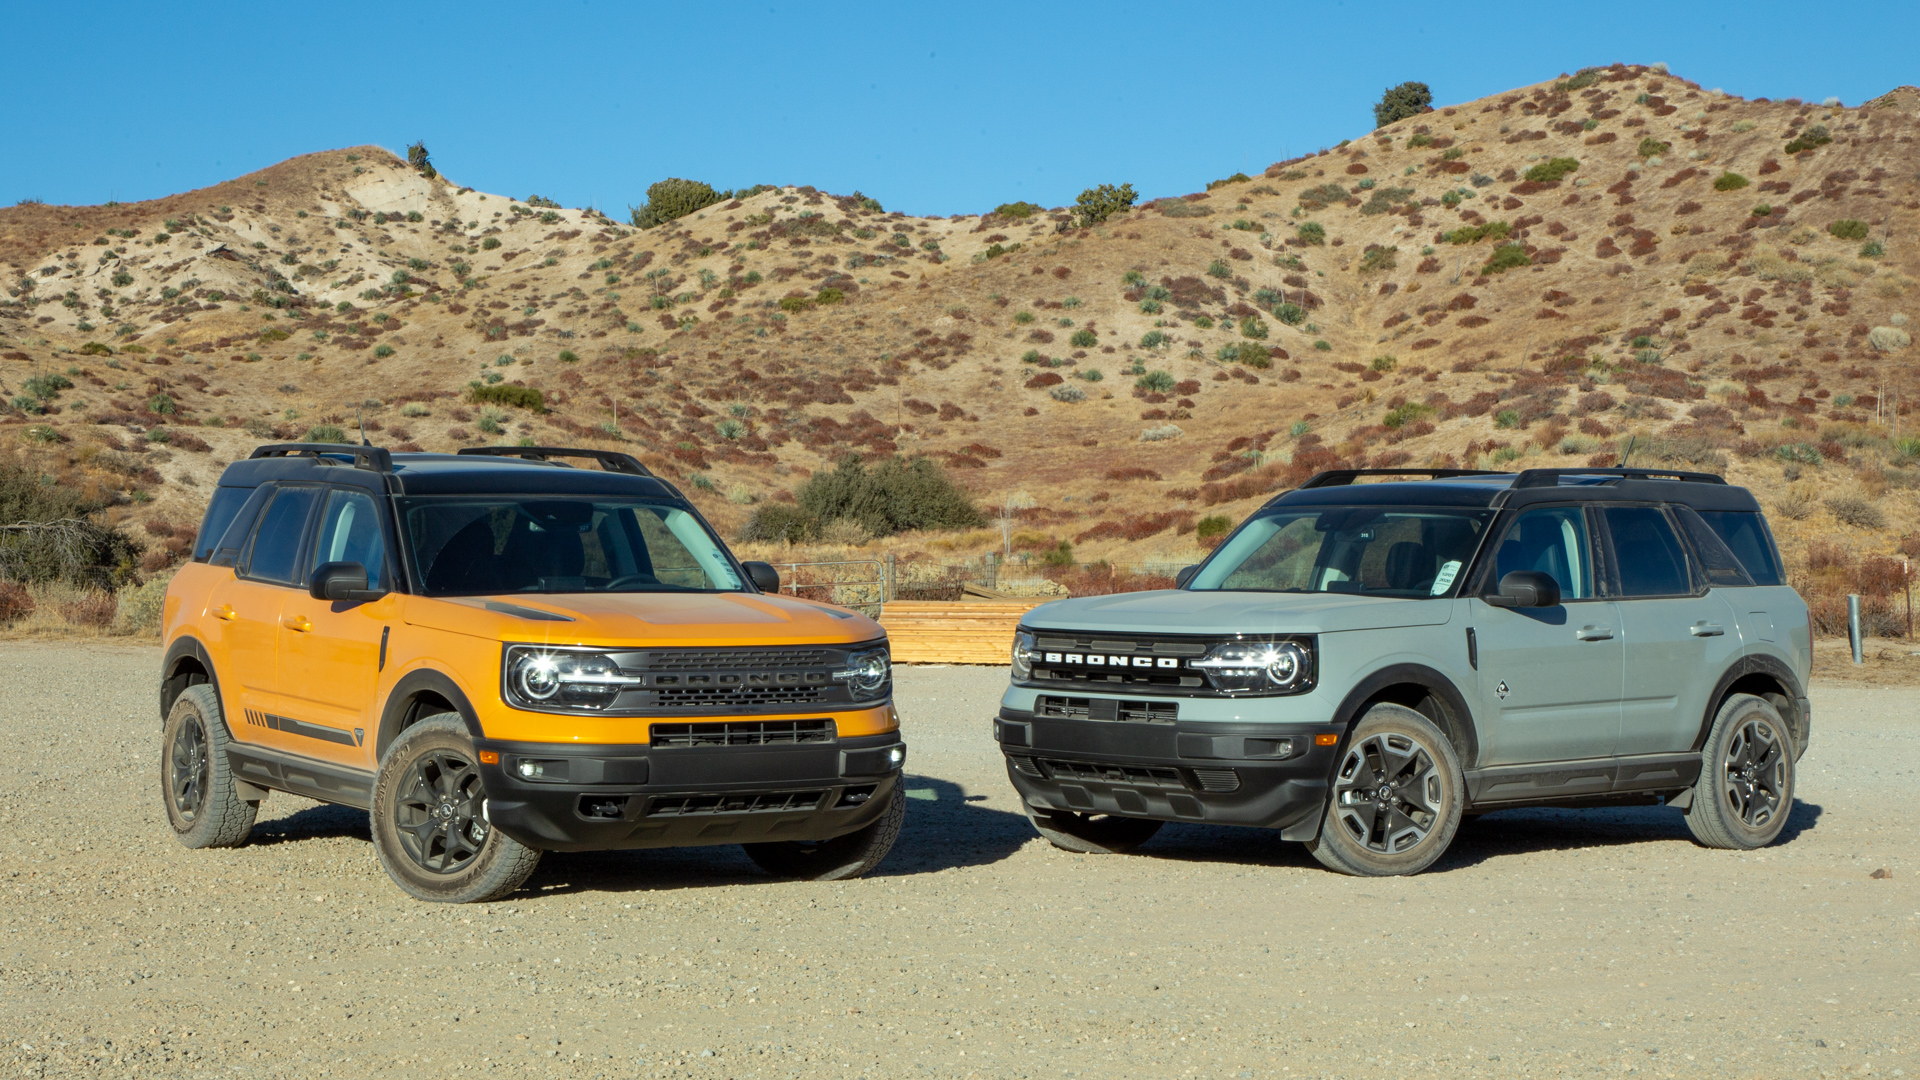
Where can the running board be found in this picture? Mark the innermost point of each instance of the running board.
(279, 771)
(1504, 785)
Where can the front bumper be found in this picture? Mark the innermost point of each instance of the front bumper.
(1270, 775)
(599, 798)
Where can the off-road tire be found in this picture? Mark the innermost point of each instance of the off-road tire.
(1745, 790)
(1414, 789)
(196, 781)
(429, 820)
(852, 855)
(1092, 834)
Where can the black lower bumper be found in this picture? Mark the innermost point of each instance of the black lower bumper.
(598, 798)
(1227, 774)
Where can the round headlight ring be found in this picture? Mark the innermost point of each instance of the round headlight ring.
(538, 676)
(1023, 645)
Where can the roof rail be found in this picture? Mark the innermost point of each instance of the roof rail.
(610, 460)
(371, 458)
(1345, 477)
(1534, 478)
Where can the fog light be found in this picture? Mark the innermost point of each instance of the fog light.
(897, 756)
(537, 769)
(530, 769)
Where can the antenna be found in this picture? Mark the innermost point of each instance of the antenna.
(1628, 454)
(361, 426)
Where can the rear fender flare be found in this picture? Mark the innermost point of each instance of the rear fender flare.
(177, 672)
(1768, 667)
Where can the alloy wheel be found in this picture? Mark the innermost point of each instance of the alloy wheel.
(437, 811)
(190, 770)
(1388, 794)
(1754, 778)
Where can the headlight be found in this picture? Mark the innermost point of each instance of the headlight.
(1242, 666)
(575, 680)
(1022, 655)
(866, 673)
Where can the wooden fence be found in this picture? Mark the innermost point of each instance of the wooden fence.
(962, 632)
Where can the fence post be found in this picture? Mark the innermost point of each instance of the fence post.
(1853, 627)
(887, 592)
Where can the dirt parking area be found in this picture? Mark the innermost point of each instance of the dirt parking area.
(1548, 943)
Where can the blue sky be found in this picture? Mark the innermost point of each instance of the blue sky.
(932, 109)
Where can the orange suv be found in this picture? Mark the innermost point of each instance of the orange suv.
(497, 653)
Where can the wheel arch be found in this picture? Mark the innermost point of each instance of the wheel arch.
(187, 663)
(1426, 691)
(421, 693)
(1765, 677)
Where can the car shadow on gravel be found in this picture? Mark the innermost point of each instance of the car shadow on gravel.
(313, 823)
(945, 829)
(1494, 835)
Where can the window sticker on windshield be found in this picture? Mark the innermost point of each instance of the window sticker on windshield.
(1444, 579)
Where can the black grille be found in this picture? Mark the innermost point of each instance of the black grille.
(744, 733)
(1026, 765)
(1126, 711)
(730, 659)
(763, 802)
(1111, 773)
(1217, 779)
(695, 697)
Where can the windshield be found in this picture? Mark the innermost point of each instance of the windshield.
(466, 546)
(1396, 551)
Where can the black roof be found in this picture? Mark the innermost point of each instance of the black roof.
(542, 470)
(1460, 487)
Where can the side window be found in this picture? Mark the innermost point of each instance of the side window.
(275, 555)
(1721, 566)
(351, 532)
(1746, 535)
(226, 503)
(1648, 554)
(1551, 540)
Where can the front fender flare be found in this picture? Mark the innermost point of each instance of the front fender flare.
(407, 690)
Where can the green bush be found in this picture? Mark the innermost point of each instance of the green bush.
(1084, 339)
(889, 496)
(1400, 416)
(1245, 352)
(122, 279)
(1652, 147)
(1507, 257)
(1312, 233)
(46, 387)
(522, 397)
(162, 404)
(1290, 313)
(1817, 135)
(1212, 527)
(1253, 327)
(1218, 268)
(383, 351)
(1507, 418)
(1018, 209)
(794, 305)
(1872, 249)
(1473, 234)
(1379, 258)
(1059, 556)
(780, 523)
(418, 158)
(674, 198)
(1548, 171)
(1582, 79)
(1152, 339)
(1849, 229)
(828, 297)
(1383, 363)
(1157, 382)
(1097, 204)
(1729, 181)
(1400, 102)
(326, 433)
(56, 537)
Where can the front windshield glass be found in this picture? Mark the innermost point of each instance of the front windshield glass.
(477, 545)
(1398, 551)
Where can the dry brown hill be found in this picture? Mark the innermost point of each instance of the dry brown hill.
(1722, 283)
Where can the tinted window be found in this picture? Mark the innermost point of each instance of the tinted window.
(1550, 540)
(276, 543)
(1746, 535)
(1399, 552)
(350, 532)
(226, 502)
(1649, 556)
(1720, 565)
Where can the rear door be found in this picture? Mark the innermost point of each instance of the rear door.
(251, 607)
(1550, 678)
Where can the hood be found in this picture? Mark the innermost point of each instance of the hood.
(1176, 611)
(685, 620)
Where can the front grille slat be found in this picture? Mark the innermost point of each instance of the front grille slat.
(757, 802)
(1102, 772)
(744, 733)
(1118, 709)
(730, 659)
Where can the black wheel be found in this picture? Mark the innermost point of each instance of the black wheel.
(1092, 834)
(196, 782)
(1745, 789)
(1396, 798)
(850, 856)
(430, 827)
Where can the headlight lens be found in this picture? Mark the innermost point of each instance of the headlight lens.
(866, 673)
(1022, 655)
(578, 680)
(1241, 666)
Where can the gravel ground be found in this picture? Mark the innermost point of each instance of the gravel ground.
(1546, 943)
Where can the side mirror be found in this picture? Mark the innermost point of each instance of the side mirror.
(765, 577)
(1526, 589)
(342, 581)
(1185, 575)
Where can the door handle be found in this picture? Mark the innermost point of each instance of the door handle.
(1594, 633)
(1706, 629)
(297, 623)
(225, 613)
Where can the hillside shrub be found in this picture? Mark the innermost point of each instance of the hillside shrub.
(1218, 268)
(779, 523)
(61, 541)
(1400, 102)
(1155, 382)
(1849, 229)
(674, 198)
(1473, 234)
(1084, 339)
(1729, 181)
(418, 158)
(1312, 233)
(1400, 416)
(1817, 135)
(1290, 313)
(1097, 204)
(1017, 209)
(1652, 147)
(1253, 327)
(1857, 511)
(520, 397)
(1212, 529)
(1551, 170)
(326, 433)
(889, 496)
(15, 602)
(1507, 257)
(1245, 352)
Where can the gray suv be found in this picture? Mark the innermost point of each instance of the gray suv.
(1361, 664)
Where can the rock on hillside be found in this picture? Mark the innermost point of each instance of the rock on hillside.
(1543, 277)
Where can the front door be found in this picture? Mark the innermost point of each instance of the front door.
(330, 651)
(1550, 678)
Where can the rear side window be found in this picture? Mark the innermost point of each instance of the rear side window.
(1646, 552)
(283, 527)
(1746, 535)
(1720, 565)
(226, 503)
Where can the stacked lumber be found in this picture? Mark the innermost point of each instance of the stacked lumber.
(961, 632)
